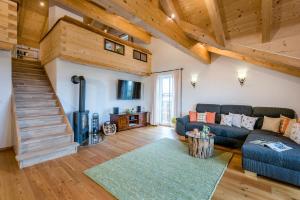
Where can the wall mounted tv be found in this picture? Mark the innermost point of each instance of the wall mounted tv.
(129, 90)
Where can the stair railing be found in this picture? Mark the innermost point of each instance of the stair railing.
(15, 125)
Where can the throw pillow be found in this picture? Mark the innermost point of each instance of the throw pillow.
(201, 117)
(248, 122)
(288, 130)
(295, 133)
(210, 117)
(284, 124)
(236, 119)
(271, 124)
(193, 116)
(226, 120)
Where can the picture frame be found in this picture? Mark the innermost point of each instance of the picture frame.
(112, 46)
(140, 56)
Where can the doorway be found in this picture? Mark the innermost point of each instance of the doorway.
(166, 99)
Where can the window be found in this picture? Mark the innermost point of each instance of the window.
(114, 47)
(139, 56)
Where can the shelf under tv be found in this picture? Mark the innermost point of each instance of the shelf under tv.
(129, 121)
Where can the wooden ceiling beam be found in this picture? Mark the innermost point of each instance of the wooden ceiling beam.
(158, 24)
(280, 67)
(216, 20)
(114, 21)
(197, 33)
(266, 15)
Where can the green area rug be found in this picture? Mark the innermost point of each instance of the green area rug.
(161, 171)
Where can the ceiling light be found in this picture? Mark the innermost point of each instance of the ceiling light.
(42, 3)
(172, 16)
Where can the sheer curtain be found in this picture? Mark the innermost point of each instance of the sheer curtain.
(177, 76)
(154, 119)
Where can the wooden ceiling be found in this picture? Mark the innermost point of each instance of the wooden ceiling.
(194, 12)
(264, 32)
(32, 22)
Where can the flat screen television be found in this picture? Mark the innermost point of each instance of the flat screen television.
(129, 90)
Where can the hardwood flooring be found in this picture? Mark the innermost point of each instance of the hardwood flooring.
(63, 178)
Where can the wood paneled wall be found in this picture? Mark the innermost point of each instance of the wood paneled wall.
(8, 24)
(73, 41)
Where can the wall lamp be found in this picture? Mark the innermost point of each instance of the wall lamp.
(194, 80)
(242, 75)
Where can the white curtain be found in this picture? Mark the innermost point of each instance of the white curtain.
(177, 93)
(154, 119)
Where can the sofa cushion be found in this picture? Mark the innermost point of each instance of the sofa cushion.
(271, 124)
(260, 112)
(288, 159)
(220, 130)
(210, 108)
(236, 109)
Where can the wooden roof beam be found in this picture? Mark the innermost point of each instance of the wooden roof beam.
(158, 24)
(266, 15)
(95, 12)
(216, 20)
(280, 67)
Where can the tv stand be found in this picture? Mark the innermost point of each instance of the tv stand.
(129, 121)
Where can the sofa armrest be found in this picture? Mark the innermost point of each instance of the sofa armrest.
(184, 119)
(181, 124)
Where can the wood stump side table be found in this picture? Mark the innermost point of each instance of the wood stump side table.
(200, 147)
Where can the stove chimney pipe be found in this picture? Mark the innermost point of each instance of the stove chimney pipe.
(81, 81)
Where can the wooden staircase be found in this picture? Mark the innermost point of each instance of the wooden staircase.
(41, 130)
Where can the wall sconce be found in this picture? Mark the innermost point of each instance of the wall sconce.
(194, 80)
(242, 75)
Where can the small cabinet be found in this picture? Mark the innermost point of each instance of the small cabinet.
(129, 121)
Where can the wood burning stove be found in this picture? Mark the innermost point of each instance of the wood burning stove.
(81, 117)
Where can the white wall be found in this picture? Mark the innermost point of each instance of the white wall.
(101, 88)
(5, 99)
(217, 82)
(55, 13)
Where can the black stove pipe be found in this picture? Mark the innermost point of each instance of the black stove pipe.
(80, 79)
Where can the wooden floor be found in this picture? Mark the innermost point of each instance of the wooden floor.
(64, 179)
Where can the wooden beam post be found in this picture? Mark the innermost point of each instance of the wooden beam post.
(216, 20)
(157, 23)
(266, 15)
(95, 12)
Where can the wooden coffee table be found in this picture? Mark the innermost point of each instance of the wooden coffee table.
(200, 147)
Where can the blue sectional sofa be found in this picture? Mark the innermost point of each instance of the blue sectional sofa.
(284, 166)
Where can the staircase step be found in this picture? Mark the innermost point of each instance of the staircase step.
(29, 70)
(36, 88)
(20, 96)
(17, 60)
(33, 76)
(36, 103)
(57, 151)
(36, 131)
(40, 121)
(28, 81)
(45, 141)
(37, 111)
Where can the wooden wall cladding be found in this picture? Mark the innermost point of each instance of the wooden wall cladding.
(73, 41)
(8, 24)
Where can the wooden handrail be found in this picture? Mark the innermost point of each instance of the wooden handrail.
(16, 128)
